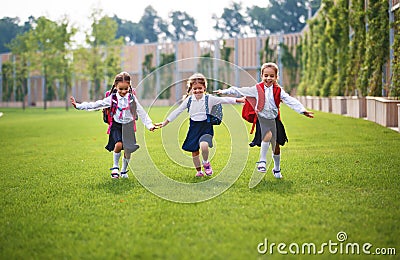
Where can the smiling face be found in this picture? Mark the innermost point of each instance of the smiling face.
(123, 88)
(198, 90)
(122, 83)
(197, 84)
(269, 76)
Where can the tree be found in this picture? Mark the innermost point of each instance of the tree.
(148, 83)
(44, 48)
(356, 46)
(9, 29)
(260, 24)
(395, 88)
(286, 16)
(153, 26)
(167, 74)
(231, 23)
(377, 53)
(131, 32)
(103, 55)
(183, 26)
(7, 80)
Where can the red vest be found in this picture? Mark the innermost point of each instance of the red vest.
(250, 110)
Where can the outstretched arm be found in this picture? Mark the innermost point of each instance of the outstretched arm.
(238, 92)
(295, 104)
(73, 101)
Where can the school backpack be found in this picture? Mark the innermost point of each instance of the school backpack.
(107, 118)
(214, 116)
(251, 107)
(109, 112)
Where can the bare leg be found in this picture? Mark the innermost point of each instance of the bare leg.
(196, 160)
(204, 151)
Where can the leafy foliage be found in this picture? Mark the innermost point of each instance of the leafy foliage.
(10, 28)
(103, 56)
(232, 22)
(335, 60)
(356, 47)
(395, 88)
(184, 27)
(44, 48)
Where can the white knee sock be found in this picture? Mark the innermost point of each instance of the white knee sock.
(277, 162)
(116, 157)
(125, 163)
(263, 151)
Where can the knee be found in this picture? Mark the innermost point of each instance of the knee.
(118, 147)
(267, 137)
(203, 146)
(277, 149)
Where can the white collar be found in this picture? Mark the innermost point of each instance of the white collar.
(202, 98)
(121, 97)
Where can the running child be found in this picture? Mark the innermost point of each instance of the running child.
(201, 132)
(267, 108)
(124, 107)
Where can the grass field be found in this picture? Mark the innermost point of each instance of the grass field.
(58, 202)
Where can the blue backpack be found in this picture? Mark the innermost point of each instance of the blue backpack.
(215, 116)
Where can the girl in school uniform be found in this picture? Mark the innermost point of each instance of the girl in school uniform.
(269, 112)
(201, 132)
(121, 133)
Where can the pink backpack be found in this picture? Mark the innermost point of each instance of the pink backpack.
(109, 112)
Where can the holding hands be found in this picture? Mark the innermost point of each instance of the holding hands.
(161, 124)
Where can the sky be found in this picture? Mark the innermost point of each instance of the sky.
(79, 11)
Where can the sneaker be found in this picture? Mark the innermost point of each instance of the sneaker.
(208, 169)
(277, 174)
(200, 174)
(261, 166)
(114, 172)
(124, 175)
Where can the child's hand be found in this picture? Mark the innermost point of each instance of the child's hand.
(158, 125)
(240, 100)
(73, 101)
(308, 114)
(218, 91)
(162, 124)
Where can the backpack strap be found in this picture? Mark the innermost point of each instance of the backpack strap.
(276, 90)
(188, 103)
(261, 97)
(133, 108)
(207, 110)
(257, 106)
(113, 109)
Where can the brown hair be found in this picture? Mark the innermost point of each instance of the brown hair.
(195, 78)
(121, 77)
(270, 65)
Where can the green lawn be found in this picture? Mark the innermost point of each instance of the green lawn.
(58, 202)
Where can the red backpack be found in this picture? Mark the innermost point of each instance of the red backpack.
(109, 112)
(249, 113)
